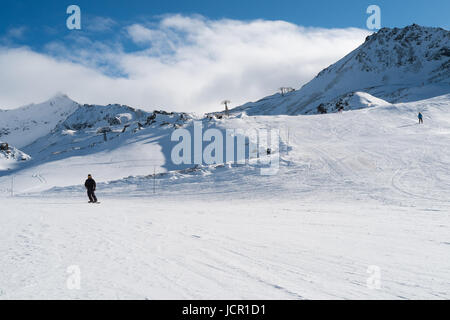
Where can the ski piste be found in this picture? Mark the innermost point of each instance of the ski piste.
(357, 193)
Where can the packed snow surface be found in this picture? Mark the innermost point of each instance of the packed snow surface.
(356, 191)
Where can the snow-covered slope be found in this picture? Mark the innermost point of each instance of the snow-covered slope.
(79, 144)
(20, 127)
(396, 65)
(10, 156)
(356, 190)
(351, 101)
(341, 153)
(110, 142)
(92, 129)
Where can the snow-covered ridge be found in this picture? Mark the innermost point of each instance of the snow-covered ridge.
(88, 138)
(21, 126)
(116, 116)
(351, 101)
(396, 65)
(101, 140)
(421, 54)
(10, 156)
(91, 129)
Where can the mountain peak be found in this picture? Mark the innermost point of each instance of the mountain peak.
(59, 98)
(35, 120)
(411, 32)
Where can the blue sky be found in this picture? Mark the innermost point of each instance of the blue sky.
(45, 19)
(183, 55)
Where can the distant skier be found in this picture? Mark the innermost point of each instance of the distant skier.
(420, 116)
(90, 187)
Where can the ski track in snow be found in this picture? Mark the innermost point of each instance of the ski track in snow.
(154, 248)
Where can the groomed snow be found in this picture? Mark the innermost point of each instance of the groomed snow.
(166, 248)
(358, 189)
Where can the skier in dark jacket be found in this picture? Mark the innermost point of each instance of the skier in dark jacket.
(90, 187)
(420, 116)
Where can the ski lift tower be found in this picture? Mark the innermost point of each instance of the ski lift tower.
(226, 103)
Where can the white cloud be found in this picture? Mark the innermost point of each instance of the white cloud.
(184, 64)
(98, 24)
(15, 33)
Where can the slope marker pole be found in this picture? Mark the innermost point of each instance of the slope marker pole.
(154, 179)
(12, 186)
(287, 145)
